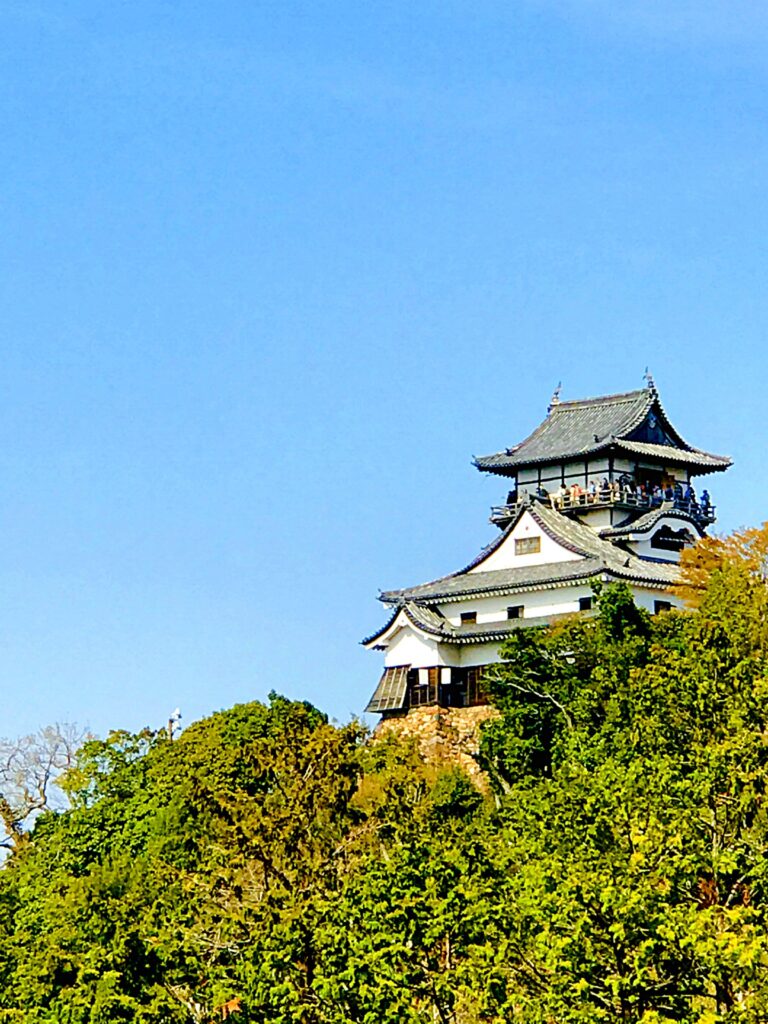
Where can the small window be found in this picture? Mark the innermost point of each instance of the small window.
(527, 545)
(515, 611)
(477, 692)
(661, 606)
(467, 618)
(585, 604)
(422, 689)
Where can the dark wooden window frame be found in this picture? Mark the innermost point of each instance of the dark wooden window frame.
(527, 545)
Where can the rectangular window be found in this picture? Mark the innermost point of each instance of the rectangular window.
(661, 606)
(585, 604)
(467, 618)
(476, 692)
(527, 545)
(422, 693)
(515, 611)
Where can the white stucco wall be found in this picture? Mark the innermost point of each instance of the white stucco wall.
(479, 654)
(642, 547)
(556, 601)
(646, 598)
(408, 647)
(504, 556)
(641, 543)
(597, 468)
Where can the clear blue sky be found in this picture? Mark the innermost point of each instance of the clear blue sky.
(272, 273)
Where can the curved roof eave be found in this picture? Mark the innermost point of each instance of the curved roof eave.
(613, 418)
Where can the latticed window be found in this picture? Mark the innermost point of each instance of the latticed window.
(527, 545)
(423, 687)
(476, 687)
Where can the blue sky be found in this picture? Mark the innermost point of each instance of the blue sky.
(273, 272)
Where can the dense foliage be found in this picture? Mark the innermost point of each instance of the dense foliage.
(271, 865)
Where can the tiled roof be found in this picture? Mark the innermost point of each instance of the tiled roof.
(647, 522)
(597, 556)
(496, 581)
(677, 456)
(432, 623)
(580, 428)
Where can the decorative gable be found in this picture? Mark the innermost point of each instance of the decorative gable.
(653, 430)
(525, 544)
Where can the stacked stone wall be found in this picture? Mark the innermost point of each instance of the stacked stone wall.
(443, 734)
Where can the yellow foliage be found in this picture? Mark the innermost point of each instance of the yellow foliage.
(745, 550)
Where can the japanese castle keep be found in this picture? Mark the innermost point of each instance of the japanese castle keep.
(601, 490)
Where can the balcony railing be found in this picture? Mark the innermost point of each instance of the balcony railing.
(613, 497)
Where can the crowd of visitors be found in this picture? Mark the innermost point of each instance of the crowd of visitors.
(626, 489)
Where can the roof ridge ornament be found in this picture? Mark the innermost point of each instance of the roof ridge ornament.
(555, 399)
(650, 383)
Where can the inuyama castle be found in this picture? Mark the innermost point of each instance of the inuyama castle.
(603, 489)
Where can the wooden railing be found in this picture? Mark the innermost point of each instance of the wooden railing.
(615, 495)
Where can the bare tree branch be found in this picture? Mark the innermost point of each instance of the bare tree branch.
(29, 768)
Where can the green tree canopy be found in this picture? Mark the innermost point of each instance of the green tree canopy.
(293, 870)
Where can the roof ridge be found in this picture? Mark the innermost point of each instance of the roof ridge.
(604, 399)
(541, 514)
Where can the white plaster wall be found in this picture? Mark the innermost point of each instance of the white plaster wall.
(642, 543)
(642, 547)
(551, 476)
(646, 598)
(528, 478)
(597, 518)
(411, 648)
(449, 654)
(535, 603)
(408, 647)
(504, 556)
(479, 654)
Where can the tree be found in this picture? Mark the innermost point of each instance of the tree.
(30, 768)
(631, 761)
(271, 861)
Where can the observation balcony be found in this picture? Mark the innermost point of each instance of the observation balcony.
(578, 502)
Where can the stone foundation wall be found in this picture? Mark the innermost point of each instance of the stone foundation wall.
(443, 734)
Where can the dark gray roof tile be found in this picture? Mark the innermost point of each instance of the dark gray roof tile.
(582, 428)
(596, 555)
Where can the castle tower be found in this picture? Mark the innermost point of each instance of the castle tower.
(603, 489)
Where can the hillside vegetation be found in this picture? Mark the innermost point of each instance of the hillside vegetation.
(270, 866)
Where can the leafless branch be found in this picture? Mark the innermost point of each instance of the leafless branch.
(29, 768)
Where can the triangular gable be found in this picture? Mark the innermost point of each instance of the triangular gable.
(397, 621)
(524, 543)
(421, 622)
